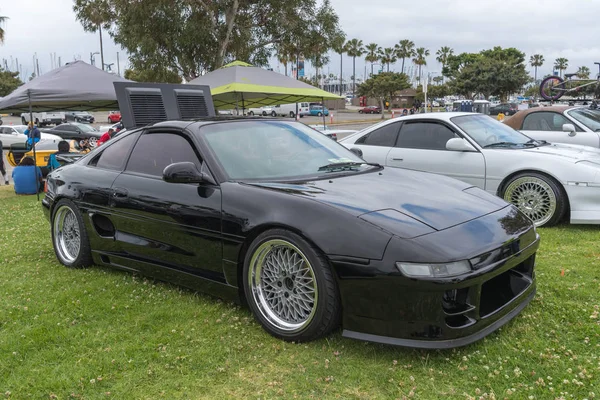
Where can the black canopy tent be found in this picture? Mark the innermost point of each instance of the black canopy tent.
(76, 86)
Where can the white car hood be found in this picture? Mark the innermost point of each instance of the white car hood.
(574, 153)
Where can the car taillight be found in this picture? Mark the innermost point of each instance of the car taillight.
(46, 186)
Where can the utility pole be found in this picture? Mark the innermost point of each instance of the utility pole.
(101, 49)
(118, 66)
(37, 63)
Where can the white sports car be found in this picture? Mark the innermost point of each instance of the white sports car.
(546, 181)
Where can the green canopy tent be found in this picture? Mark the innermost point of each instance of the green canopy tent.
(241, 84)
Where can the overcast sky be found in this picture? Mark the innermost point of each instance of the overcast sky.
(553, 28)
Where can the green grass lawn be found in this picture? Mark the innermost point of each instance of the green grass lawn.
(99, 334)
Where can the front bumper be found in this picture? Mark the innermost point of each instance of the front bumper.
(382, 305)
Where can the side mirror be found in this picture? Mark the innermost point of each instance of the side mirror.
(459, 144)
(357, 151)
(185, 172)
(569, 128)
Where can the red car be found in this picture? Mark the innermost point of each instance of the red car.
(370, 110)
(114, 117)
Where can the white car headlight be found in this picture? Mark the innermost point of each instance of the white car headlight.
(416, 270)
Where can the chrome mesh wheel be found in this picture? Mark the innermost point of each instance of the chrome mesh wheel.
(67, 238)
(283, 285)
(534, 197)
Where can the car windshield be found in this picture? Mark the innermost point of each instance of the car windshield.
(590, 118)
(258, 150)
(85, 128)
(20, 129)
(488, 132)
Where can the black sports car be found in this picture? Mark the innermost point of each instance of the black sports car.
(75, 130)
(309, 234)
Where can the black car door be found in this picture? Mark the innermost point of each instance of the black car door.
(161, 224)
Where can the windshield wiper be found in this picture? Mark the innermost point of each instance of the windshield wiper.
(531, 142)
(346, 165)
(499, 144)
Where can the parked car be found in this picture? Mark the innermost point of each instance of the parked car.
(370, 110)
(264, 111)
(15, 134)
(79, 116)
(318, 111)
(114, 116)
(289, 110)
(75, 130)
(546, 181)
(504, 108)
(42, 119)
(306, 232)
(559, 124)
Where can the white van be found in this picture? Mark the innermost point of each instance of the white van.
(289, 110)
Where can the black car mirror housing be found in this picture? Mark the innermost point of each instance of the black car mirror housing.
(185, 172)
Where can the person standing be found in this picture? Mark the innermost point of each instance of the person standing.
(27, 178)
(106, 136)
(2, 168)
(33, 135)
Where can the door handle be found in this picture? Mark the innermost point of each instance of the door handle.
(120, 193)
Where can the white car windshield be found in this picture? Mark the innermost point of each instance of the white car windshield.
(590, 118)
(249, 150)
(488, 132)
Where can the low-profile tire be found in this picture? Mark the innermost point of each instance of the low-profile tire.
(292, 114)
(290, 288)
(538, 196)
(69, 237)
(273, 114)
(251, 113)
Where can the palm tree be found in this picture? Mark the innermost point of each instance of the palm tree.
(536, 60)
(583, 73)
(388, 56)
(2, 21)
(405, 49)
(561, 64)
(420, 59)
(354, 48)
(442, 57)
(373, 50)
(338, 45)
(284, 59)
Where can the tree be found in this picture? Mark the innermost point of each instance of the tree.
(372, 56)
(383, 85)
(9, 81)
(196, 36)
(495, 72)
(354, 48)
(438, 79)
(152, 75)
(536, 60)
(561, 64)
(419, 58)
(339, 46)
(316, 49)
(2, 21)
(284, 56)
(405, 49)
(583, 73)
(387, 57)
(442, 57)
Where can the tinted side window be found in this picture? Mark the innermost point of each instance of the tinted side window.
(385, 136)
(68, 128)
(113, 157)
(425, 135)
(154, 151)
(545, 121)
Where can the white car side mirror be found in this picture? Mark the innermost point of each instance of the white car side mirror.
(569, 128)
(459, 144)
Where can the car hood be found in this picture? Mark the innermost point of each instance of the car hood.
(574, 153)
(404, 202)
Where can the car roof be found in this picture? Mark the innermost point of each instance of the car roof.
(516, 121)
(442, 116)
